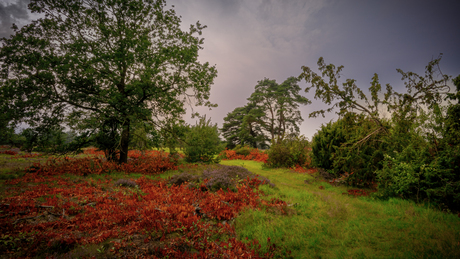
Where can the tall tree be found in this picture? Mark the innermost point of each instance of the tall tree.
(279, 104)
(242, 127)
(112, 61)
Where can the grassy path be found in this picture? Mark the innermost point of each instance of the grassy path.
(324, 223)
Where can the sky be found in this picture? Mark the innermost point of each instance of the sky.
(249, 40)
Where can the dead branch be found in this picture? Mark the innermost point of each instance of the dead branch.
(368, 136)
(26, 218)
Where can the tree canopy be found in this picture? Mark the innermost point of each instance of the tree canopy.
(104, 64)
(279, 103)
(271, 114)
(241, 127)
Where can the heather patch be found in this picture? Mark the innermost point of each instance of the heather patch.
(217, 177)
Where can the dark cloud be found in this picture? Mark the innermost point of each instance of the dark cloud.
(273, 38)
(15, 12)
(249, 40)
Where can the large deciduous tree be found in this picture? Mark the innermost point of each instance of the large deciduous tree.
(108, 63)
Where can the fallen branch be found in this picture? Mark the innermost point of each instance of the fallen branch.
(89, 204)
(36, 206)
(369, 135)
(26, 218)
(44, 206)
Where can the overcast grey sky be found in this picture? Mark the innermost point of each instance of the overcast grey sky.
(249, 40)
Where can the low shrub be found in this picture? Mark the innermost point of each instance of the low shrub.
(228, 176)
(254, 154)
(218, 177)
(185, 177)
(243, 150)
(289, 152)
(9, 152)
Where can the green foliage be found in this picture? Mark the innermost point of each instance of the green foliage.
(273, 109)
(325, 144)
(413, 155)
(451, 133)
(241, 127)
(144, 137)
(424, 170)
(105, 65)
(289, 152)
(339, 148)
(203, 142)
(242, 150)
(279, 105)
(420, 179)
(173, 134)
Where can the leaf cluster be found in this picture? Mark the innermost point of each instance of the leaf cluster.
(203, 142)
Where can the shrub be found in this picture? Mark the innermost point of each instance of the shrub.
(228, 176)
(218, 177)
(426, 168)
(203, 143)
(179, 179)
(243, 150)
(9, 152)
(254, 154)
(289, 152)
(350, 145)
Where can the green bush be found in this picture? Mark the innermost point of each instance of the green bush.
(353, 145)
(425, 168)
(289, 152)
(242, 150)
(203, 143)
(326, 142)
(421, 179)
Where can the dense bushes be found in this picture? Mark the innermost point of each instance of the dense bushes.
(423, 162)
(289, 152)
(350, 145)
(415, 155)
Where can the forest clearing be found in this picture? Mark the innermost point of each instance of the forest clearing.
(110, 146)
(83, 208)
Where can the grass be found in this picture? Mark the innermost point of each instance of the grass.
(324, 223)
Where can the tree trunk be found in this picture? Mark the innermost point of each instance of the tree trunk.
(124, 142)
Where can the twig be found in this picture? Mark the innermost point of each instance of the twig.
(26, 218)
(44, 206)
(368, 136)
(36, 206)
(162, 210)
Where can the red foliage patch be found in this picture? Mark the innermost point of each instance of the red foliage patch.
(131, 153)
(301, 169)
(9, 152)
(63, 212)
(27, 155)
(151, 165)
(255, 155)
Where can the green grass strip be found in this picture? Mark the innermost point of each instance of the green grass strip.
(324, 223)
